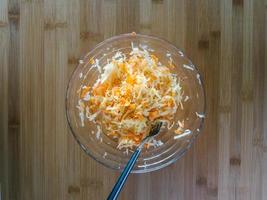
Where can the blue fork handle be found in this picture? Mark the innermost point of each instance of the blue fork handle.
(124, 175)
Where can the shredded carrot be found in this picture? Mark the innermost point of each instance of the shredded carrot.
(84, 91)
(153, 115)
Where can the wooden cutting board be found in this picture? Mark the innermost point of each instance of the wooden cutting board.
(40, 44)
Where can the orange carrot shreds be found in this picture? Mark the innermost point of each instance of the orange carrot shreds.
(84, 91)
(153, 115)
(154, 58)
(179, 131)
(130, 79)
(100, 90)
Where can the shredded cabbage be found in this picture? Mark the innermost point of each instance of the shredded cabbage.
(130, 95)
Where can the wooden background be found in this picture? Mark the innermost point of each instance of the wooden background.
(40, 44)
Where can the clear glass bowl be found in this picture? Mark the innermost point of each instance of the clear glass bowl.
(104, 150)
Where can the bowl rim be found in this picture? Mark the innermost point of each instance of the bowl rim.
(144, 170)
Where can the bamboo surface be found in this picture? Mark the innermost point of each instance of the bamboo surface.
(41, 42)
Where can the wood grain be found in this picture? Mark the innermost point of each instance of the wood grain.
(13, 99)
(32, 98)
(4, 48)
(41, 42)
(264, 136)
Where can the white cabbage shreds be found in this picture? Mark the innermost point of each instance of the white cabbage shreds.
(133, 91)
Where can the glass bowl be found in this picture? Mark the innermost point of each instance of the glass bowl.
(102, 148)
